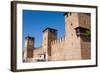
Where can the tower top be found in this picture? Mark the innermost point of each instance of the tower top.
(66, 13)
(51, 29)
(29, 37)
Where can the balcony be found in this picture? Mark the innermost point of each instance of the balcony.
(80, 31)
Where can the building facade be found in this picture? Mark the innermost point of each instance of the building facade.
(75, 45)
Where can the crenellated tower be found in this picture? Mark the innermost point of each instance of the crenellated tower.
(49, 34)
(29, 47)
(77, 27)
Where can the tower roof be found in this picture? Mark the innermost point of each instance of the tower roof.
(66, 13)
(81, 28)
(50, 29)
(29, 37)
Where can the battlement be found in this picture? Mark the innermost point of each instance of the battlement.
(58, 41)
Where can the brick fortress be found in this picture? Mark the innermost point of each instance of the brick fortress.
(75, 45)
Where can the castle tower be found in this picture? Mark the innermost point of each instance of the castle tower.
(84, 32)
(29, 42)
(29, 47)
(49, 35)
(77, 25)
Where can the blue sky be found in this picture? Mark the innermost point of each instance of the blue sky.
(34, 22)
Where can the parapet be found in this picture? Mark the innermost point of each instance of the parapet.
(58, 41)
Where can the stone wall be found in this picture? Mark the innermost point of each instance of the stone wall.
(85, 47)
(57, 49)
(84, 20)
